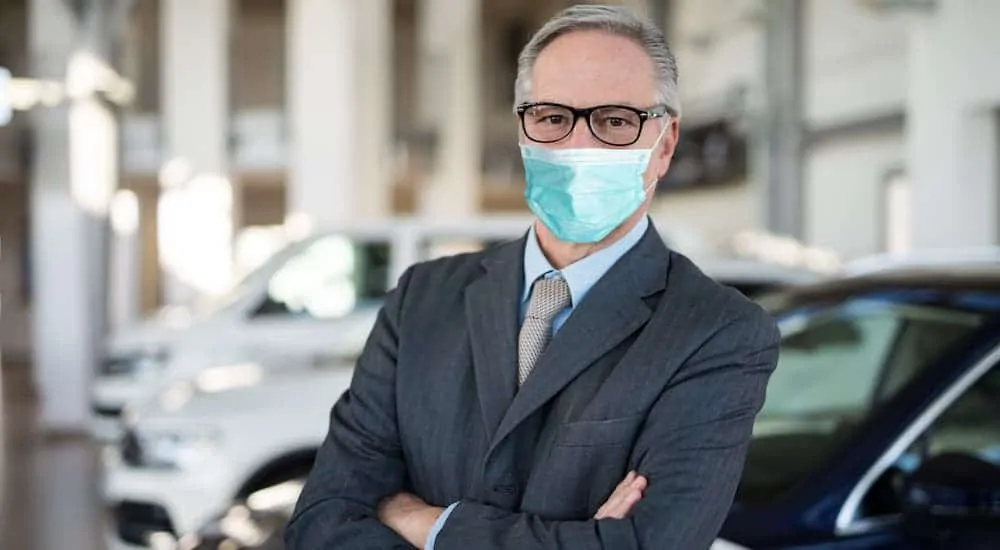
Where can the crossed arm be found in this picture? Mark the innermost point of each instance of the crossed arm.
(689, 455)
(412, 518)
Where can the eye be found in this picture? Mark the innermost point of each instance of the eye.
(549, 115)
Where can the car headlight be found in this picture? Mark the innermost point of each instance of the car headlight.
(169, 448)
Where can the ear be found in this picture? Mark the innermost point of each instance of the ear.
(665, 152)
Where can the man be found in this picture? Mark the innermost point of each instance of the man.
(583, 387)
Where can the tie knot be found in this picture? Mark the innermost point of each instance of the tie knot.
(549, 296)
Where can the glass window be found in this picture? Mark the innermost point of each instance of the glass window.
(837, 363)
(971, 426)
(328, 279)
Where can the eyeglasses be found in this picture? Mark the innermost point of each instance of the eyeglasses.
(618, 125)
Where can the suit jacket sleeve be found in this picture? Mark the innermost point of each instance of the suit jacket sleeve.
(691, 449)
(361, 461)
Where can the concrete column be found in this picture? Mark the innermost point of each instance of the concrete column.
(376, 139)
(450, 107)
(953, 139)
(74, 175)
(195, 216)
(323, 115)
(778, 152)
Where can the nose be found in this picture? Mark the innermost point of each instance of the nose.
(580, 137)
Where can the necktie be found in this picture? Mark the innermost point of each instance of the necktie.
(548, 297)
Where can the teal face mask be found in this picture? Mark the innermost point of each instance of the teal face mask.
(582, 195)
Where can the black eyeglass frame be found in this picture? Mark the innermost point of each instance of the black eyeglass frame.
(654, 112)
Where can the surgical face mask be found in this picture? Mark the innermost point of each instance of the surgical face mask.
(582, 195)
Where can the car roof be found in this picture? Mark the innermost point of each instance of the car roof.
(754, 271)
(957, 257)
(958, 276)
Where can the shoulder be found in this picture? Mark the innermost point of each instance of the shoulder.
(728, 310)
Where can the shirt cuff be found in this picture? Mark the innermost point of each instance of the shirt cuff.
(438, 525)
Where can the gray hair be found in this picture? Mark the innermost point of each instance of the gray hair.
(615, 20)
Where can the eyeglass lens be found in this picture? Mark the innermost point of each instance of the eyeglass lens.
(613, 125)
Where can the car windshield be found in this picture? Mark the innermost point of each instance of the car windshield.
(838, 361)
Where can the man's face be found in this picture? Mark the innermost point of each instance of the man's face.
(589, 68)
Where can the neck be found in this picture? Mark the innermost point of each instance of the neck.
(563, 254)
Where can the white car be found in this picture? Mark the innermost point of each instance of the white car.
(201, 444)
(315, 301)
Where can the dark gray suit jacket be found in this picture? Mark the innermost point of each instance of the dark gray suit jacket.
(660, 369)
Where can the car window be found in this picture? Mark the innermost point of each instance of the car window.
(970, 425)
(838, 362)
(328, 279)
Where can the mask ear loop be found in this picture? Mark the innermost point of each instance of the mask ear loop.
(647, 188)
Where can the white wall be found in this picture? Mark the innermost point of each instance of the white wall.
(717, 45)
(855, 62)
(844, 185)
(715, 215)
(953, 145)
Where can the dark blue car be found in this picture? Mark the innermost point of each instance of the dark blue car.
(881, 428)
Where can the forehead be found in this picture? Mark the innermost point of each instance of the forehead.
(592, 67)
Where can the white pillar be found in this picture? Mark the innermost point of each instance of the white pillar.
(125, 261)
(323, 114)
(952, 133)
(450, 105)
(777, 150)
(195, 218)
(74, 175)
(376, 139)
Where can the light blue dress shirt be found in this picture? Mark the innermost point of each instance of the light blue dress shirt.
(580, 276)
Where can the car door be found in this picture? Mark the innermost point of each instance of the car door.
(842, 362)
(963, 418)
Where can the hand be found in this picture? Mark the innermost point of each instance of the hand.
(626, 495)
(409, 516)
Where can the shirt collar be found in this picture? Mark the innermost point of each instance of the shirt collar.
(582, 275)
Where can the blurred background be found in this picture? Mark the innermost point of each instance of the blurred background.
(162, 160)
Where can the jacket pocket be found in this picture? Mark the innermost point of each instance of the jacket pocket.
(596, 433)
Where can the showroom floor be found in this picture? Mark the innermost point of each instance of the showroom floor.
(48, 485)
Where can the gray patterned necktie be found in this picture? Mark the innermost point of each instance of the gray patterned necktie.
(548, 297)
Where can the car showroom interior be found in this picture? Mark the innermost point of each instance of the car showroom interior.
(499, 274)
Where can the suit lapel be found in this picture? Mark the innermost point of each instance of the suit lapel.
(613, 310)
(491, 305)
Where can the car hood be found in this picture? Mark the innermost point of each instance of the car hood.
(204, 400)
(155, 331)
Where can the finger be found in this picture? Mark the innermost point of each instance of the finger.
(620, 508)
(619, 505)
(630, 501)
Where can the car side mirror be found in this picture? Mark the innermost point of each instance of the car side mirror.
(953, 499)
